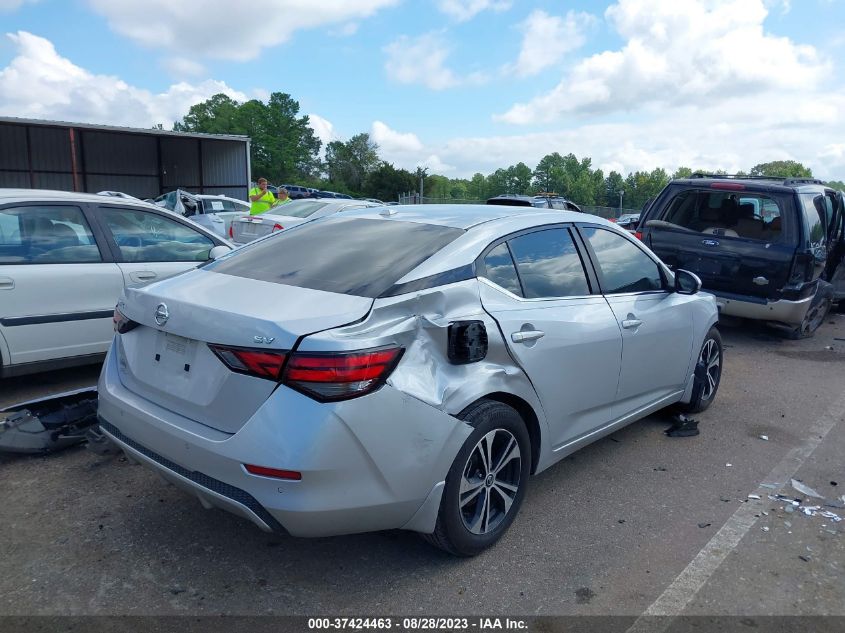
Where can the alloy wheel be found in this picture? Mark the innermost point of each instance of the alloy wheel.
(490, 481)
(711, 358)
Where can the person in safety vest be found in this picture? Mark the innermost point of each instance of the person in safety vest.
(284, 197)
(260, 198)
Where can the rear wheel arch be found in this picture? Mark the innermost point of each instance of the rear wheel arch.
(526, 412)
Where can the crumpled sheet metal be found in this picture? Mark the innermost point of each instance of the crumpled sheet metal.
(420, 322)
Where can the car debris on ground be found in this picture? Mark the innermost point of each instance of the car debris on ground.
(48, 424)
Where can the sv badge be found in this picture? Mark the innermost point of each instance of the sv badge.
(265, 340)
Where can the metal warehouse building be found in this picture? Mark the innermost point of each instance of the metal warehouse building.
(143, 163)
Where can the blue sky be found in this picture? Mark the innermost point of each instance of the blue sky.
(459, 85)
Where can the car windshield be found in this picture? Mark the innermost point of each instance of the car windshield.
(299, 208)
(354, 256)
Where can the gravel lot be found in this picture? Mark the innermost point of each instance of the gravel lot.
(606, 531)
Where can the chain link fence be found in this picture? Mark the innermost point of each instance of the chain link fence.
(602, 212)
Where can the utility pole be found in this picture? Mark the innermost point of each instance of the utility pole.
(621, 193)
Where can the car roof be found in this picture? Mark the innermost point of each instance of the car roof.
(759, 183)
(460, 216)
(28, 195)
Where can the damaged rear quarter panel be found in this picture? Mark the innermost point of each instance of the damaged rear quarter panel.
(419, 322)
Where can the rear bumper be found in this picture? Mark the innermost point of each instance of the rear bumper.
(368, 464)
(782, 311)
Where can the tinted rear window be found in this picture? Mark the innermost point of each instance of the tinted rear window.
(352, 256)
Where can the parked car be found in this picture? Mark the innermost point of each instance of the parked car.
(64, 260)
(405, 369)
(769, 248)
(285, 216)
(297, 192)
(331, 194)
(627, 221)
(214, 212)
(539, 202)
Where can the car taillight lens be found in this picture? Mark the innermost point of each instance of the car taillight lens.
(260, 363)
(122, 324)
(277, 473)
(340, 376)
(231, 232)
(277, 227)
(638, 235)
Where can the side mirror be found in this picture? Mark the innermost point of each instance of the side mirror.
(218, 251)
(686, 283)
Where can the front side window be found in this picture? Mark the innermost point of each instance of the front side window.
(46, 235)
(549, 265)
(500, 269)
(142, 236)
(624, 267)
(725, 214)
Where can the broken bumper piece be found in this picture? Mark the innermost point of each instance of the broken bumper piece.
(48, 424)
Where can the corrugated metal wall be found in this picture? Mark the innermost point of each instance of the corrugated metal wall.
(142, 165)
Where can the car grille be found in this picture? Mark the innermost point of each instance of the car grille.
(201, 479)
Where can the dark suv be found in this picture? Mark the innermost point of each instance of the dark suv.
(768, 248)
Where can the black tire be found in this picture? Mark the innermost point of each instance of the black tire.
(816, 314)
(705, 392)
(453, 531)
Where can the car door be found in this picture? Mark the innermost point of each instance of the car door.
(58, 285)
(835, 272)
(562, 333)
(150, 246)
(656, 322)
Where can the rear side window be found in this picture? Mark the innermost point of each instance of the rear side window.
(747, 215)
(816, 213)
(549, 265)
(353, 256)
(499, 268)
(46, 235)
(624, 267)
(142, 236)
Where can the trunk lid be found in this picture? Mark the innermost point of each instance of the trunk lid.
(252, 227)
(169, 362)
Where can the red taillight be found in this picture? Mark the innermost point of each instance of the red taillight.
(638, 235)
(121, 323)
(231, 233)
(277, 227)
(614, 220)
(331, 376)
(253, 362)
(277, 473)
(728, 186)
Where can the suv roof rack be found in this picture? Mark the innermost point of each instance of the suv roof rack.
(787, 182)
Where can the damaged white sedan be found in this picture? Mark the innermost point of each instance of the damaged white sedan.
(402, 367)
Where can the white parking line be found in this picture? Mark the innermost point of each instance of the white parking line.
(689, 582)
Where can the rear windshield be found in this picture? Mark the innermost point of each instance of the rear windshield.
(352, 256)
(299, 209)
(748, 215)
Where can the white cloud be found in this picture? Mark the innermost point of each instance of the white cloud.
(40, 83)
(237, 31)
(463, 10)
(422, 60)
(390, 141)
(547, 38)
(180, 67)
(323, 129)
(679, 52)
(345, 30)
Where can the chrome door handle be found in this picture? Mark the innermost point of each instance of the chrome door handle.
(630, 324)
(7, 283)
(761, 281)
(527, 335)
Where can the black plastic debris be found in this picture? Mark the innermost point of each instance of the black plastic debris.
(48, 424)
(682, 426)
(704, 525)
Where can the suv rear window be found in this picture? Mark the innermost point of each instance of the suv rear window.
(353, 256)
(747, 215)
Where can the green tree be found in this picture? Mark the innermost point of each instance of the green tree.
(477, 187)
(386, 182)
(349, 164)
(282, 144)
(641, 186)
(784, 168)
(836, 184)
(614, 184)
(682, 172)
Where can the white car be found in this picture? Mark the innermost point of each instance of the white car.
(65, 258)
(290, 214)
(216, 213)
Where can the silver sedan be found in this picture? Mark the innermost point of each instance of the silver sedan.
(403, 367)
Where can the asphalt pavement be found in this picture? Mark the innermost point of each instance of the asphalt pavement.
(637, 523)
